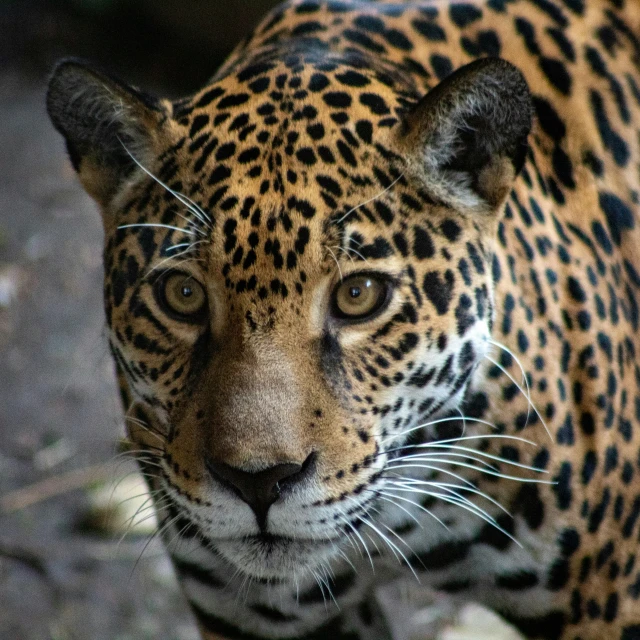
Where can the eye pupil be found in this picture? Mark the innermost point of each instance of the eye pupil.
(359, 296)
(180, 294)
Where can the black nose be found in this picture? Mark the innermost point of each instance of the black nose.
(260, 490)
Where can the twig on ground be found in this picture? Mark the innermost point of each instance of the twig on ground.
(35, 562)
(25, 556)
(54, 486)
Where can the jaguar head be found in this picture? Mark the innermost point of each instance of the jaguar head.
(298, 276)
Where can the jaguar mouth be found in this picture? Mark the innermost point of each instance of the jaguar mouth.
(275, 557)
(270, 539)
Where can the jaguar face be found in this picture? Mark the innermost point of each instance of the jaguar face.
(297, 278)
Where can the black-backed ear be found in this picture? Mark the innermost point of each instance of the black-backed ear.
(467, 138)
(105, 123)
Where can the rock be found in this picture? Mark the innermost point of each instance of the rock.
(121, 508)
(11, 281)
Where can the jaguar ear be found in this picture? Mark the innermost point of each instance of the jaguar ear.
(467, 138)
(106, 124)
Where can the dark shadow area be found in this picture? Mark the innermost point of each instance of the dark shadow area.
(174, 46)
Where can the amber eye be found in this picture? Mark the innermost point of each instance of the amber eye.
(182, 295)
(360, 296)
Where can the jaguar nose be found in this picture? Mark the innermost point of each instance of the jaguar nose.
(261, 489)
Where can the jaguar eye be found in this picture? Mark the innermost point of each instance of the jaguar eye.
(360, 296)
(182, 295)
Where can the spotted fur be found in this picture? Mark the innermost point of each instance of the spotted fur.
(483, 426)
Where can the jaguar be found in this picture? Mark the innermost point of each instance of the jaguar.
(371, 295)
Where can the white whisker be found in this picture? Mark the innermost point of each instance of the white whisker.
(528, 397)
(346, 215)
(409, 483)
(394, 547)
(185, 200)
(415, 504)
(495, 343)
(431, 423)
(476, 452)
(468, 506)
(176, 256)
(430, 458)
(346, 521)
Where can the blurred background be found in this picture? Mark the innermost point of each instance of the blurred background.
(63, 575)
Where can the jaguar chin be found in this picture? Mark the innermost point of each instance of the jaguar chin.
(276, 558)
